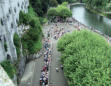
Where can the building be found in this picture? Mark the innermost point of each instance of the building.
(9, 17)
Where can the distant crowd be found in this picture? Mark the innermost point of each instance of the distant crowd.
(56, 33)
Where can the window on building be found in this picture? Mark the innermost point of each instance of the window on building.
(22, 3)
(4, 38)
(8, 57)
(21, 6)
(15, 9)
(7, 16)
(18, 5)
(2, 22)
(11, 25)
(0, 37)
(9, 11)
(17, 21)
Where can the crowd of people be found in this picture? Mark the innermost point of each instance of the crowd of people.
(47, 59)
(58, 32)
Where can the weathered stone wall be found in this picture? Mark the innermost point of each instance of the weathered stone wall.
(4, 78)
(9, 16)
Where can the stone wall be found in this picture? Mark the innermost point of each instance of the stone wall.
(9, 17)
(4, 78)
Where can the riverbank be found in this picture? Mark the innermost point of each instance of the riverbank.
(78, 25)
(98, 12)
(72, 4)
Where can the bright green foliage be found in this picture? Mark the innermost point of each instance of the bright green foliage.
(86, 58)
(16, 40)
(102, 5)
(23, 18)
(65, 4)
(63, 11)
(52, 12)
(43, 20)
(9, 68)
(108, 7)
(60, 11)
(32, 36)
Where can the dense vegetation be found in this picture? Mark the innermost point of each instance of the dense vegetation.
(5, 46)
(17, 42)
(103, 7)
(9, 68)
(31, 40)
(86, 58)
(60, 11)
(41, 6)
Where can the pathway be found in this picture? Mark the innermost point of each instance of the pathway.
(56, 78)
(32, 73)
(33, 69)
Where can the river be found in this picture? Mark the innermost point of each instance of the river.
(90, 19)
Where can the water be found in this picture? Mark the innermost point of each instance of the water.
(90, 19)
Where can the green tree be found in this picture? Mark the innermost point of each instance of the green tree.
(52, 12)
(37, 5)
(86, 58)
(63, 11)
(17, 42)
(60, 11)
(32, 37)
(40, 6)
(53, 3)
(23, 18)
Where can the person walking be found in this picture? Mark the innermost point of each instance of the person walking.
(61, 67)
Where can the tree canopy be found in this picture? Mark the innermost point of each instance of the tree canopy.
(53, 3)
(32, 37)
(86, 58)
(60, 11)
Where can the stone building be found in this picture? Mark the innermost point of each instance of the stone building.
(9, 17)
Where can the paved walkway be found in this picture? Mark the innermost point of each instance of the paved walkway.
(33, 69)
(37, 72)
(56, 78)
(32, 73)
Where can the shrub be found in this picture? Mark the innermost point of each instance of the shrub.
(52, 12)
(17, 42)
(9, 68)
(63, 11)
(31, 37)
(65, 4)
(43, 20)
(5, 46)
(60, 11)
(23, 18)
(86, 58)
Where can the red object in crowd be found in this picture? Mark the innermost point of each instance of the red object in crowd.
(44, 68)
